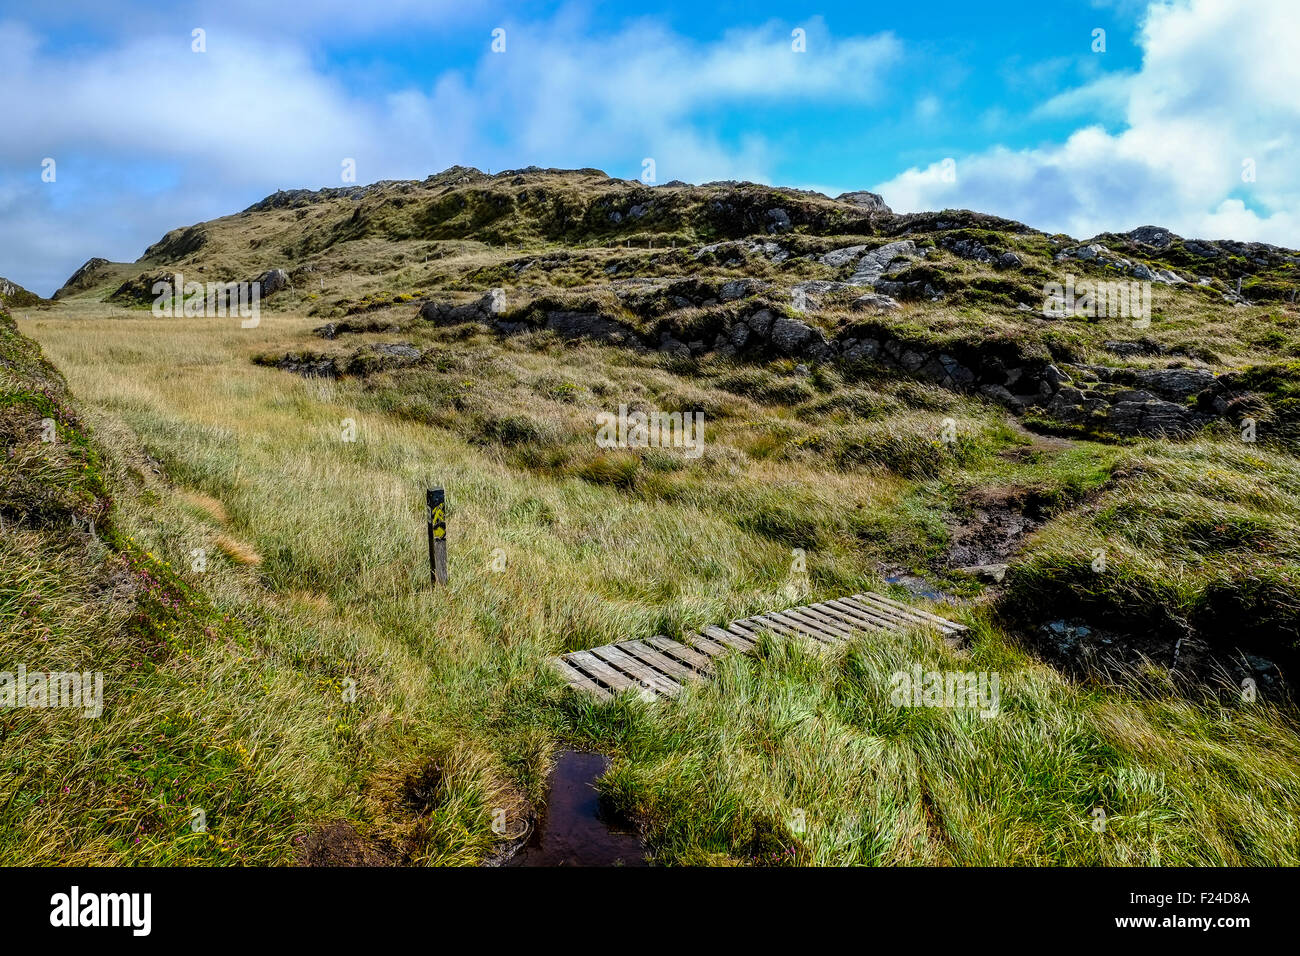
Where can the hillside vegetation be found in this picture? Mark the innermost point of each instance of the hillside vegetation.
(901, 418)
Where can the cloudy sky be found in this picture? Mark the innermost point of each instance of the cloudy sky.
(1189, 117)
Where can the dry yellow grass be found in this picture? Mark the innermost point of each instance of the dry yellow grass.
(238, 551)
(207, 504)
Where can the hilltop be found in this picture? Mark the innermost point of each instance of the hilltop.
(751, 272)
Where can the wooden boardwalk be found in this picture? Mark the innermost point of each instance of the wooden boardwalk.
(660, 667)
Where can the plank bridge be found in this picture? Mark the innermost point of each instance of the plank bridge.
(659, 667)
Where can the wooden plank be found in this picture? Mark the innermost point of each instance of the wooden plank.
(884, 619)
(902, 611)
(660, 662)
(829, 625)
(829, 612)
(661, 665)
(712, 648)
(682, 653)
(941, 621)
(646, 676)
(754, 627)
(824, 612)
(730, 639)
(751, 633)
(809, 628)
(902, 614)
(580, 681)
(783, 630)
(586, 661)
(874, 620)
(809, 619)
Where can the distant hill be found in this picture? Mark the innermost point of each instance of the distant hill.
(15, 296)
(741, 270)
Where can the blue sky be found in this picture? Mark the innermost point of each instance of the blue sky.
(148, 135)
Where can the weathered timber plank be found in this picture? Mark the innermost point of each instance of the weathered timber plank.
(580, 681)
(682, 653)
(877, 620)
(630, 665)
(662, 663)
(809, 629)
(586, 661)
(941, 622)
(902, 610)
(712, 648)
(815, 618)
(730, 639)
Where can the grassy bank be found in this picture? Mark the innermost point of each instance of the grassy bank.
(310, 675)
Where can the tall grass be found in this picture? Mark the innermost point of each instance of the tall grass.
(340, 686)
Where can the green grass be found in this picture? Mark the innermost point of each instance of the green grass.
(309, 675)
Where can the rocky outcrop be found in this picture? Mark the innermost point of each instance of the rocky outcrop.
(591, 325)
(1172, 401)
(871, 202)
(733, 252)
(1097, 254)
(876, 263)
(272, 281)
(484, 309)
(366, 360)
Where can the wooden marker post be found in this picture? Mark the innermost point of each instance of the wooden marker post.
(436, 501)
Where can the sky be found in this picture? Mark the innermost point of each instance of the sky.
(1077, 116)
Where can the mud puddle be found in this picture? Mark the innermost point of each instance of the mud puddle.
(996, 522)
(573, 830)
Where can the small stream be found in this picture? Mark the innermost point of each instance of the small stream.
(572, 831)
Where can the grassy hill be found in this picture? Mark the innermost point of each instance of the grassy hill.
(311, 686)
(14, 296)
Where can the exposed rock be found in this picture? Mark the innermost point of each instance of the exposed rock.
(1175, 384)
(1154, 419)
(1002, 395)
(671, 346)
(968, 249)
(272, 281)
(481, 310)
(789, 335)
(778, 220)
(874, 302)
(1152, 236)
(761, 322)
(877, 262)
(740, 288)
(590, 325)
(841, 257)
(990, 573)
(733, 251)
(871, 202)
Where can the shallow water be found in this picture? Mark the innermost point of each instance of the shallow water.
(918, 587)
(572, 831)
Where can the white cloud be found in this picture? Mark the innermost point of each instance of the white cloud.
(1216, 86)
(256, 113)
